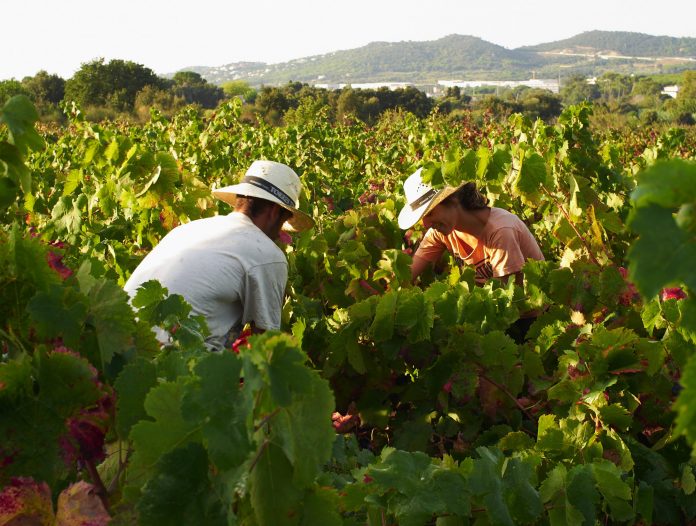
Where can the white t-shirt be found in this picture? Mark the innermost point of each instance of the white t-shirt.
(225, 267)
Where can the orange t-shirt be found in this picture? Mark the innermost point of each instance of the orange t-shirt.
(503, 248)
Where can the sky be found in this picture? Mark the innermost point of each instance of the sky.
(166, 36)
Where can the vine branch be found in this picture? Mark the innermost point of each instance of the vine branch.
(577, 232)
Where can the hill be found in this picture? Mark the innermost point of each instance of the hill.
(623, 43)
(462, 56)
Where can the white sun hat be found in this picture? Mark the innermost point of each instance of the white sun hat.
(274, 182)
(421, 198)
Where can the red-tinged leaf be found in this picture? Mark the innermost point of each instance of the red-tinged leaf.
(79, 505)
(627, 370)
(284, 237)
(26, 502)
(673, 293)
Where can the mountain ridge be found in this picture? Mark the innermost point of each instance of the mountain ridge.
(455, 55)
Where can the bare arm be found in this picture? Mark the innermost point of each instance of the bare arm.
(418, 266)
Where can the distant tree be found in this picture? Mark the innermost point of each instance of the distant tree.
(194, 89)
(10, 88)
(540, 103)
(687, 87)
(239, 88)
(44, 88)
(272, 102)
(614, 85)
(113, 85)
(497, 107)
(453, 100)
(646, 86)
(348, 104)
(684, 107)
(163, 100)
(576, 89)
(188, 78)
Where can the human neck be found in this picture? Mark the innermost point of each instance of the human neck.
(473, 222)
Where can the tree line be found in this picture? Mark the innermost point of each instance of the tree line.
(124, 89)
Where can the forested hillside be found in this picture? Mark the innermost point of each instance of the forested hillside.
(459, 56)
(624, 43)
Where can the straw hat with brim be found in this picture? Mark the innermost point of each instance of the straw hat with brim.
(421, 198)
(274, 182)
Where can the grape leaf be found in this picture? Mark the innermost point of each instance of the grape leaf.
(179, 492)
(663, 254)
(113, 319)
(26, 502)
(79, 505)
(169, 430)
(59, 312)
(132, 385)
(304, 432)
(218, 404)
(382, 327)
(275, 499)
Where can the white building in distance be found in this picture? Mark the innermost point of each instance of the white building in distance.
(366, 85)
(547, 84)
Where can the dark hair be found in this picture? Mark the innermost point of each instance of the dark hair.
(254, 206)
(469, 198)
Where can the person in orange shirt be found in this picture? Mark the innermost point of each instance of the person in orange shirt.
(492, 240)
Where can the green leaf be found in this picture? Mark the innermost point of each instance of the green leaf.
(20, 115)
(218, 404)
(667, 184)
(180, 492)
(486, 481)
(663, 254)
(549, 436)
(8, 192)
(67, 215)
(581, 493)
(304, 430)
(275, 499)
(66, 382)
(613, 489)
(320, 508)
(615, 415)
(167, 431)
(688, 481)
(554, 484)
(382, 327)
(522, 499)
(531, 179)
(645, 501)
(287, 372)
(516, 441)
(59, 312)
(113, 319)
(414, 315)
(132, 386)
(72, 181)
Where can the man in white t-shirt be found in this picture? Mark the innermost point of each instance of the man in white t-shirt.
(228, 267)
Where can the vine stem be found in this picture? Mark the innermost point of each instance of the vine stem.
(509, 394)
(266, 418)
(258, 454)
(577, 232)
(98, 483)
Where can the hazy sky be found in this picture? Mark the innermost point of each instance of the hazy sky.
(169, 35)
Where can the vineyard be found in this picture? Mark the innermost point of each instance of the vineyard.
(444, 419)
